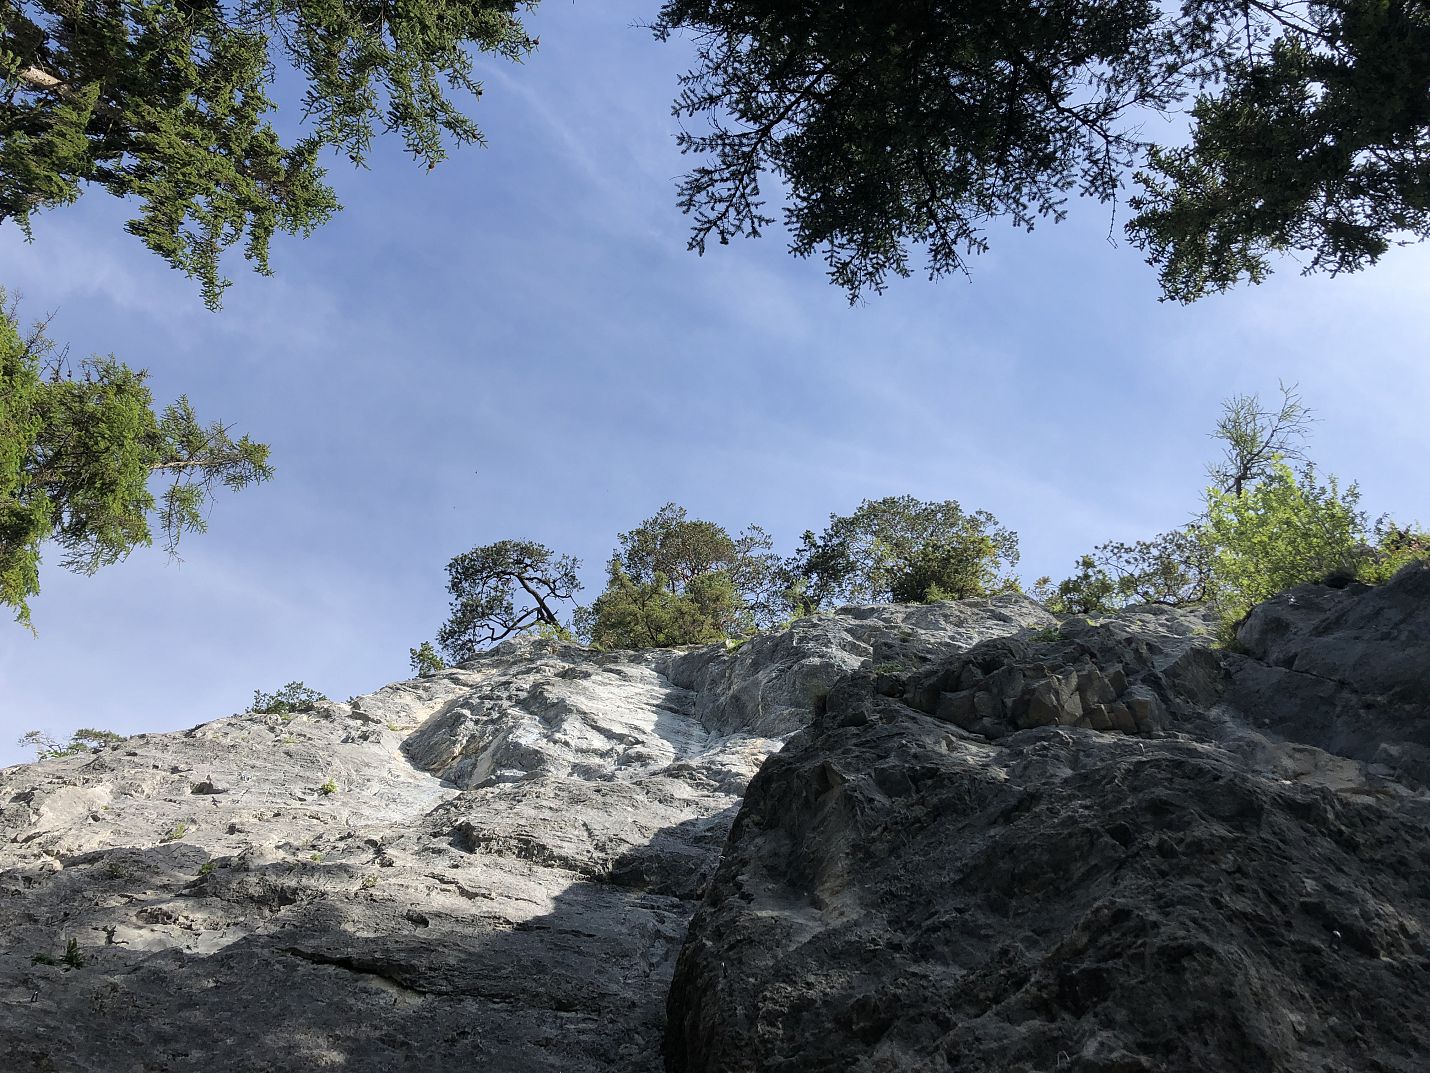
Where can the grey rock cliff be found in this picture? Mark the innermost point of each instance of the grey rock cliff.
(957, 837)
(500, 879)
(1109, 851)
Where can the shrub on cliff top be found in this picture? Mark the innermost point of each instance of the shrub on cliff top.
(1283, 530)
(675, 580)
(902, 550)
(292, 698)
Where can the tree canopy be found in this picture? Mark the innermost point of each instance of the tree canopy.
(1265, 527)
(891, 125)
(1255, 439)
(83, 740)
(424, 660)
(902, 549)
(293, 698)
(648, 614)
(503, 589)
(169, 104)
(675, 580)
(78, 453)
(1285, 529)
(1173, 569)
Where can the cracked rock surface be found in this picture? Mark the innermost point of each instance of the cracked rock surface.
(489, 869)
(1100, 849)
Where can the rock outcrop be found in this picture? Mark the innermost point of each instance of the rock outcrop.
(489, 869)
(955, 837)
(1109, 850)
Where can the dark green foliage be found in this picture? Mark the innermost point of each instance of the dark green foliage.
(1396, 546)
(503, 589)
(77, 456)
(678, 581)
(84, 740)
(901, 549)
(70, 959)
(650, 614)
(1172, 569)
(899, 124)
(956, 568)
(91, 739)
(424, 660)
(1317, 141)
(168, 104)
(293, 698)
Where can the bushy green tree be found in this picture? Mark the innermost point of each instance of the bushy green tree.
(901, 549)
(954, 569)
(651, 614)
(168, 104)
(424, 660)
(1265, 528)
(1286, 529)
(503, 589)
(292, 698)
(900, 124)
(1396, 546)
(78, 456)
(676, 581)
(1172, 569)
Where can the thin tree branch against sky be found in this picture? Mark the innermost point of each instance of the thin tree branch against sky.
(516, 345)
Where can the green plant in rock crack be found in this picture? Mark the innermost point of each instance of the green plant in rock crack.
(70, 959)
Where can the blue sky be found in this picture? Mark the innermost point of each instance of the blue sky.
(518, 345)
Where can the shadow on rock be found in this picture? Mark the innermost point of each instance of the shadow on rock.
(339, 970)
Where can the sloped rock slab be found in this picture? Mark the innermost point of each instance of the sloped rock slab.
(488, 869)
(1343, 670)
(491, 868)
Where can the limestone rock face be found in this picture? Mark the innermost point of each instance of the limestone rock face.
(1099, 849)
(489, 869)
(956, 837)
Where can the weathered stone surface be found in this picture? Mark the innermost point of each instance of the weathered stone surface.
(1344, 670)
(1237, 881)
(500, 881)
(1200, 861)
(770, 684)
(1075, 677)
